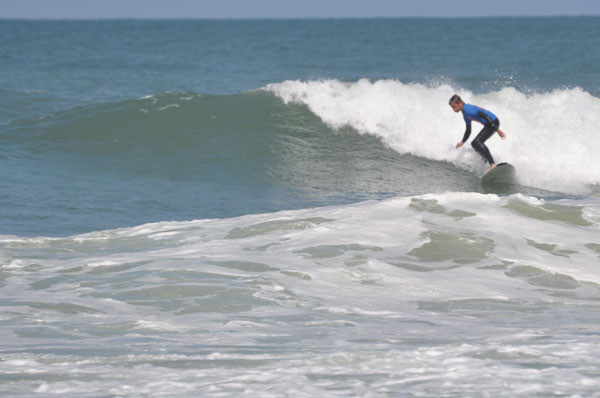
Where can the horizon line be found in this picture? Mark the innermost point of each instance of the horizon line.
(266, 18)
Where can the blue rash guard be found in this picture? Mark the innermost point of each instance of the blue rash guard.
(483, 116)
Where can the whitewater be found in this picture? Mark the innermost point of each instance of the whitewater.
(457, 294)
(550, 135)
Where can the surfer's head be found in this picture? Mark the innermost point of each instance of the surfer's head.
(456, 103)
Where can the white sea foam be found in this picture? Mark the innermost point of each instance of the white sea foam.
(551, 137)
(406, 295)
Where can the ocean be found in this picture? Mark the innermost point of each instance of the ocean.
(276, 208)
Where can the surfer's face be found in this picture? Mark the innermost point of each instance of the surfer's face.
(457, 106)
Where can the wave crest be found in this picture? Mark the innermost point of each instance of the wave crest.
(550, 135)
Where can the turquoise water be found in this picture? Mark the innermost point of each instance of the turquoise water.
(277, 208)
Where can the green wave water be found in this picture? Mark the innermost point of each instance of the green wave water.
(209, 156)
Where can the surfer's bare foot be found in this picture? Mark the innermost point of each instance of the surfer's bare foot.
(490, 168)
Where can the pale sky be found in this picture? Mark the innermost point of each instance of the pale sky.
(157, 9)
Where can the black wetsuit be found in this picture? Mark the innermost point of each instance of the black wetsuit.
(490, 125)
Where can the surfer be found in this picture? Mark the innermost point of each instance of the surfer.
(490, 122)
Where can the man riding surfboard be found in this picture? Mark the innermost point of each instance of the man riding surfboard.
(490, 122)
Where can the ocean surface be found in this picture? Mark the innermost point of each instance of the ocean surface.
(276, 208)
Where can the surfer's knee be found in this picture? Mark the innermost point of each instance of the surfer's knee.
(476, 144)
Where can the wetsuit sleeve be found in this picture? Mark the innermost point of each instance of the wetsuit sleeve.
(467, 133)
(486, 117)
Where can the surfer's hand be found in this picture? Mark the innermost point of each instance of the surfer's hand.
(459, 145)
(501, 134)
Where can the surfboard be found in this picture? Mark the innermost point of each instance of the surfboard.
(503, 173)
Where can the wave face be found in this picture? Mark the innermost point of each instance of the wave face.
(550, 135)
(188, 156)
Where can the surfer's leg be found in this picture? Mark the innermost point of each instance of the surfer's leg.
(479, 144)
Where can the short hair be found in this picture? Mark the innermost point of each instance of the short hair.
(455, 98)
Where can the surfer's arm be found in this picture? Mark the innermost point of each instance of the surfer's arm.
(465, 136)
(490, 121)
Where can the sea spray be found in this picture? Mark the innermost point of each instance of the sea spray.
(550, 136)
